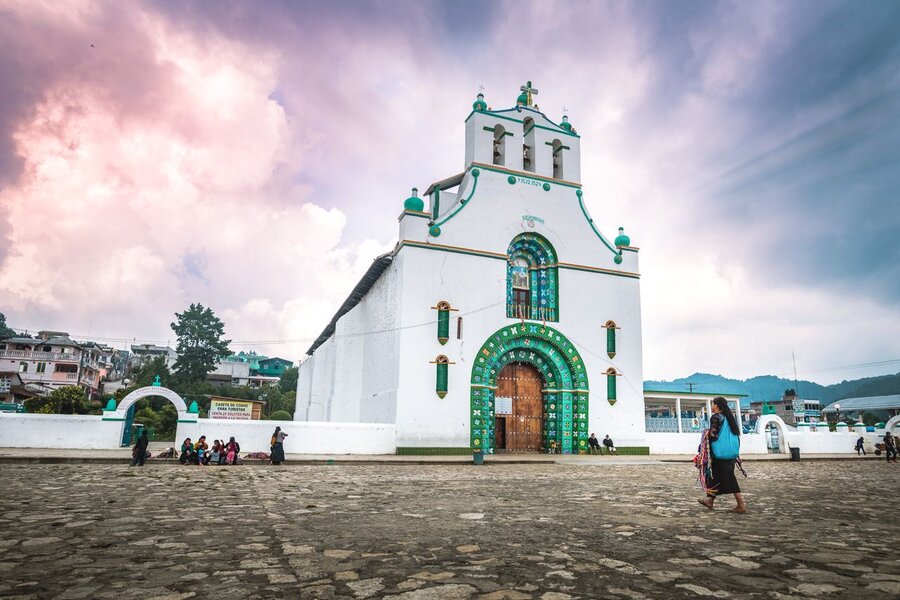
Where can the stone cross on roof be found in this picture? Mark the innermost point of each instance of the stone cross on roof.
(529, 91)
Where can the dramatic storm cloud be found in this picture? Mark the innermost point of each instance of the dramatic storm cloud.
(254, 157)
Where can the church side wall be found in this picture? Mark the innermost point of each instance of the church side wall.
(352, 377)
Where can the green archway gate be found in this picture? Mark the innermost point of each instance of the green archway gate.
(565, 393)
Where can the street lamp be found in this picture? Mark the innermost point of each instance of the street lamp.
(837, 413)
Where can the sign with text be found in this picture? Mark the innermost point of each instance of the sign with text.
(230, 409)
(502, 405)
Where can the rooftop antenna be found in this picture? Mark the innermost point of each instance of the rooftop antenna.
(796, 383)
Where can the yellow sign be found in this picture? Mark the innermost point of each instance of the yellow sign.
(229, 409)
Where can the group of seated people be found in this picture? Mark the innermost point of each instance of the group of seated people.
(199, 453)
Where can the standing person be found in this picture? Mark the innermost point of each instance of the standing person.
(278, 446)
(594, 444)
(139, 454)
(859, 446)
(890, 447)
(725, 447)
(610, 447)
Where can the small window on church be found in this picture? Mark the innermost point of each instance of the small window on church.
(610, 338)
(443, 309)
(557, 159)
(499, 145)
(611, 385)
(442, 366)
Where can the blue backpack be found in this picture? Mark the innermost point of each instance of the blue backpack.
(728, 446)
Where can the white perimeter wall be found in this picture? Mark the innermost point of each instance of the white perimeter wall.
(58, 431)
(755, 443)
(303, 437)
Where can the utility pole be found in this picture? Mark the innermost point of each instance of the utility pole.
(690, 385)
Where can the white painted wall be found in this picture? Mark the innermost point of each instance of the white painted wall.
(58, 431)
(303, 437)
(755, 443)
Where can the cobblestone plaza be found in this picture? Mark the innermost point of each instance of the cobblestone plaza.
(550, 531)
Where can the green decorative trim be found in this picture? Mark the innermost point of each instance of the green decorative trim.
(590, 221)
(491, 129)
(611, 341)
(416, 451)
(565, 393)
(112, 419)
(527, 175)
(633, 450)
(435, 231)
(462, 203)
(495, 255)
(187, 420)
(511, 180)
(546, 187)
(555, 128)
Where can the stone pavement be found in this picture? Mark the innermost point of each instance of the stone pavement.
(501, 531)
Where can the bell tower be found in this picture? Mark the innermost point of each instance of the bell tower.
(523, 139)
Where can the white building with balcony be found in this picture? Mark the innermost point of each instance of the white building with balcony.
(53, 361)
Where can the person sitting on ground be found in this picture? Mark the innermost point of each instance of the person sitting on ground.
(201, 448)
(187, 452)
(594, 444)
(215, 452)
(232, 449)
(610, 447)
(859, 446)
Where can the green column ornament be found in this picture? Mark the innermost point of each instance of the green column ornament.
(442, 364)
(610, 338)
(611, 385)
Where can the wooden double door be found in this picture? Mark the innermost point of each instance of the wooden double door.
(519, 431)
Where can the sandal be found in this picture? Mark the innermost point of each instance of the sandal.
(708, 505)
(739, 510)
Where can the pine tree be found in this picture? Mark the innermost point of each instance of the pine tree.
(200, 343)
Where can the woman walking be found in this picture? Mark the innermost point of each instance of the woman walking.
(277, 443)
(723, 444)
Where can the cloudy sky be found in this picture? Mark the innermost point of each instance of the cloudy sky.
(254, 157)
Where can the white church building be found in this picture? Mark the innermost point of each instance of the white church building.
(503, 320)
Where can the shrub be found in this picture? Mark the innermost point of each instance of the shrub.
(280, 415)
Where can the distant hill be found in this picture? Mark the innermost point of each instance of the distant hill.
(769, 387)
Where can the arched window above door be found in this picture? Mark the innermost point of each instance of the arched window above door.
(532, 279)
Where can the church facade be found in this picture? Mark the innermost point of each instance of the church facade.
(503, 320)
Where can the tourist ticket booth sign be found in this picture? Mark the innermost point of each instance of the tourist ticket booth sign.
(502, 405)
(230, 409)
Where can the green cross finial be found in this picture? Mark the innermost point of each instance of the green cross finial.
(157, 382)
(529, 92)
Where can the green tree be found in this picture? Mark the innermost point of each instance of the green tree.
(288, 380)
(5, 331)
(146, 374)
(67, 400)
(200, 343)
(280, 415)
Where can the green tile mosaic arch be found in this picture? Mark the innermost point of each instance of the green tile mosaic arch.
(565, 393)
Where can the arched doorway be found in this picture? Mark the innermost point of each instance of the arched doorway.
(775, 433)
(125, 410)
(564, 392)
(518, 419)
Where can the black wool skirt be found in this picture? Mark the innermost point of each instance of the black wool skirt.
(724, 480)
